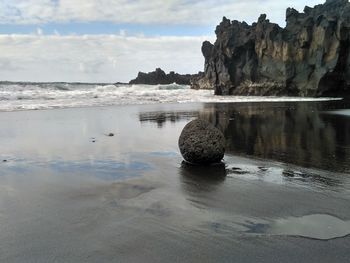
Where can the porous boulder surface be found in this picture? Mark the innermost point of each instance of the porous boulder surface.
(160, 77)
(309, 57)
(201, 143)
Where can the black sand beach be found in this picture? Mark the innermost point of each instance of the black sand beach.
(71, 193)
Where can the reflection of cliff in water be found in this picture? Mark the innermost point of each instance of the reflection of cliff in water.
(162, 117)
(299, 133)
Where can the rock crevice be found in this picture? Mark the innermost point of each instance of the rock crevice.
(309, 57)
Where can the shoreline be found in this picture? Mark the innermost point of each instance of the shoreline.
(224, 100)
(220, 114)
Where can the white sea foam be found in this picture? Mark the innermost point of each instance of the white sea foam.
(30, 96)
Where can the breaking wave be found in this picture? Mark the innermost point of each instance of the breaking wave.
(33, 96)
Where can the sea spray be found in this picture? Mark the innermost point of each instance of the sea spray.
(32, 96)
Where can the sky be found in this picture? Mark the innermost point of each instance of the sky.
(112, 40)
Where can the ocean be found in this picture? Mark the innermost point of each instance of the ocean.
(15, 96)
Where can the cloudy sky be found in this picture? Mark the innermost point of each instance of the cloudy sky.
(111, 40)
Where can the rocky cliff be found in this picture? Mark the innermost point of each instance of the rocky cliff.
(309, 57)
(160, 77)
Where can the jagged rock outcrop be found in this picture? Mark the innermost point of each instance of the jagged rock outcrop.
(199, 81)
(160, 77)
(309, 57)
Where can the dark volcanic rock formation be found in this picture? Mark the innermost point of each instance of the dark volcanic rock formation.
(160, 77)
(309, 57)
(201, 143)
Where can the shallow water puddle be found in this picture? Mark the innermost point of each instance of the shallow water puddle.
(316, 226)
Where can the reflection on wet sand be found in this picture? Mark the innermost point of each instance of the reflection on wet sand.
(200, 183)
(298, 133)
(162, 117)
(203, 175)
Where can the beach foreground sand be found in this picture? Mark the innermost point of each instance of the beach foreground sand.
(71, 193)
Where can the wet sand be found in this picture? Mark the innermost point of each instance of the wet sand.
(70, 193)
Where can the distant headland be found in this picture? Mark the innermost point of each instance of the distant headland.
(160, 77)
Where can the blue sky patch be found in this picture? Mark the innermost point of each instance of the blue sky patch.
(98, 28)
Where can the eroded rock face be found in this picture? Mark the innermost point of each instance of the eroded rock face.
(309, 57)
(160, 77)
(201, 143)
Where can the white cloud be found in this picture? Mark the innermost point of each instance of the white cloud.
(8, 65)
(39, 31)
(123, 32)
(109, 58)
(95, 58)
(197, 12)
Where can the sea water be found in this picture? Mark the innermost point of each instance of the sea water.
(16, 96)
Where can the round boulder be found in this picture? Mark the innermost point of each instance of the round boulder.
(201, 143)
